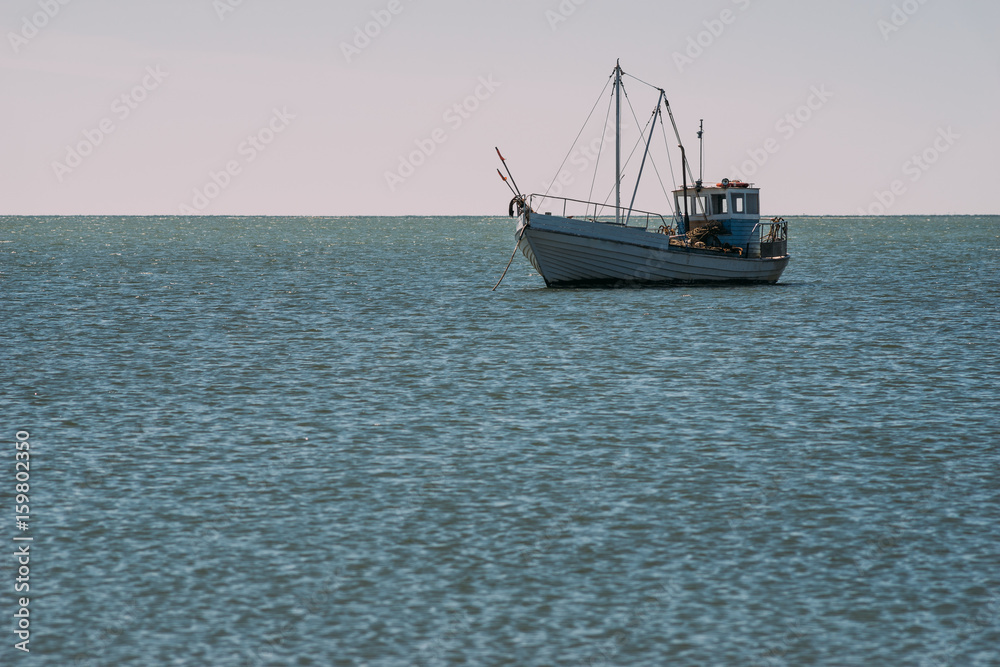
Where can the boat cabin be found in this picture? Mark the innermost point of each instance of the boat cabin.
(725, 201)
(735, 205)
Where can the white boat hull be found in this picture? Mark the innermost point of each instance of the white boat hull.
(568, 252)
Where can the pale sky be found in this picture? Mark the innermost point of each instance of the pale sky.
(261, 107)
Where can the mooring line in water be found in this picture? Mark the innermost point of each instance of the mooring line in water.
(517, 244)
(511, 260)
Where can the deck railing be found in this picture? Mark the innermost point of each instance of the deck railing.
(627, 215)
(772, 241)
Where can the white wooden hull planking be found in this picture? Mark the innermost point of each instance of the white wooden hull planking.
(568, 251)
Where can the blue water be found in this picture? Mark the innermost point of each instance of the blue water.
(267, 441)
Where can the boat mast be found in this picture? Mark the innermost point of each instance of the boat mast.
(687, 219)
(701, 140)
(618, 142)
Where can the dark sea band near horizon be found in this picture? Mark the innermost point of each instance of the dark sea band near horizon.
(325, 441)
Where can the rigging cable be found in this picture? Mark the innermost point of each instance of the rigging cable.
(630, 156)
(666, 143)
(642, 132)
(645, 83)
(670, 203)
(600, 151)
(673, 175)
(651, 159)
(559, 171)
(657, 170)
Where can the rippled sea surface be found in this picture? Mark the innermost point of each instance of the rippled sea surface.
(268, 441)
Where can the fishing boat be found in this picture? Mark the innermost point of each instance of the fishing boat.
(713, 234)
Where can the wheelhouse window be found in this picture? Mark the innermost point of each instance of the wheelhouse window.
(738, 204)
(696, 204)
(753, 203)
(720, 204)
